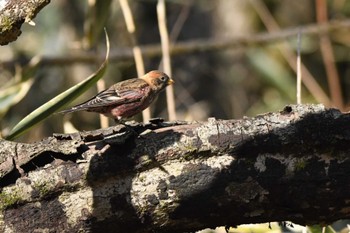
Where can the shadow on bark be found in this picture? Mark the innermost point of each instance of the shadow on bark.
(261, 187)
(116, 168)
(247, 190)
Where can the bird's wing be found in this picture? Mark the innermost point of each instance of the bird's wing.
(111, 96)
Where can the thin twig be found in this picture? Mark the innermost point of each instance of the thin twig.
(181, 19)
(328, 57)
(175, 31)
(166, 57)
(136, 50)
(184, 98)
(104, 122)
(308, 80)
(299, 70)
(192, 46)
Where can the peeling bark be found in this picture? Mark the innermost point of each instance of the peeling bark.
(13, 13)
(179, 176)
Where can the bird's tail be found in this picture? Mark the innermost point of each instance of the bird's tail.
(73, 109)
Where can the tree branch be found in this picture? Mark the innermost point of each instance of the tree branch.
(185, 47)
(13, 14)
(289, 165)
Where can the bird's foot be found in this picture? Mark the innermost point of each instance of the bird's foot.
(130, 127)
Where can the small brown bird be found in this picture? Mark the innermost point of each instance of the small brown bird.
(127, 98)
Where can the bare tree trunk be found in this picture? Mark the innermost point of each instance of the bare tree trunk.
(175, 177)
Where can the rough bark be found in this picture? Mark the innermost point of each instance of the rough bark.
(13, 13)
(176, 177)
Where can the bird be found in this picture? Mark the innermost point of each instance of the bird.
(126, 98)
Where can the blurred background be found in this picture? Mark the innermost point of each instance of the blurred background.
(230, 58)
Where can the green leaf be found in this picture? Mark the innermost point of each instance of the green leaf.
(15, 90)
(97, 16)
(273, 71)
(13, 94)
(59, 101)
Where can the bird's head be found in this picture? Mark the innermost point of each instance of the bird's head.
(157, 80)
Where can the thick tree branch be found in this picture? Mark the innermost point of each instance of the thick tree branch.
(13, 13)
(291, 165)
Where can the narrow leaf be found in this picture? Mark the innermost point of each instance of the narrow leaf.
(13, 94)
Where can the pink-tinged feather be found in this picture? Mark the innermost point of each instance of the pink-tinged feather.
(127, 98)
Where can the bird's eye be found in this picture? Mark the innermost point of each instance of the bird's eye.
(163, 78)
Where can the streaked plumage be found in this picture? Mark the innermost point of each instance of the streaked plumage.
(127, 98)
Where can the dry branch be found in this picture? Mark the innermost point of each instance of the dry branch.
(185, 47)
(289, 165)
(13, 13)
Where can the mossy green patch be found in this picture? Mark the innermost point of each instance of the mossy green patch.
(6, 23)
(42, 188)
(300, 165)
(8, 199)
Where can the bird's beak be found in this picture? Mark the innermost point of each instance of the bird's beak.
(170, 81)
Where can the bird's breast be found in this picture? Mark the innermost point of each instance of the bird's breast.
(130, 109)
